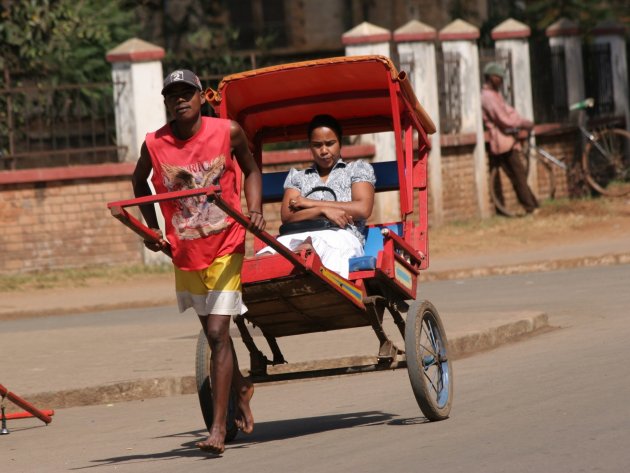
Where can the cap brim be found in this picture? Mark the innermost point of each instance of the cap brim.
(189, 84)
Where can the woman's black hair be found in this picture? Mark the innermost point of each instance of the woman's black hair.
(325, 120)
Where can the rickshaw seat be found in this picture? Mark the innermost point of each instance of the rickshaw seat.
(373, 244)
(386, 180)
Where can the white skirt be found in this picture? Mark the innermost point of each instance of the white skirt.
(334, 247)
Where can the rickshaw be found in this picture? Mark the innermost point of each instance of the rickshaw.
(292, 293)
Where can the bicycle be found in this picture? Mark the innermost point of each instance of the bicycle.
(606, 157)
(605, 163)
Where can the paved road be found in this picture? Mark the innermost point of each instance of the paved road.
(555, 402)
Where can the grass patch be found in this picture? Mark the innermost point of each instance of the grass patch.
(79, 277)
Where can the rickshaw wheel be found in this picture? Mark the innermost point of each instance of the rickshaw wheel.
(428, 365)
(204, 389)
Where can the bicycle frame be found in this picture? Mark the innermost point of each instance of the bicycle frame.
(548, 156)
(591, 137)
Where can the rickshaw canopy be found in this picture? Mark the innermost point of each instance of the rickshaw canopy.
(277, 103)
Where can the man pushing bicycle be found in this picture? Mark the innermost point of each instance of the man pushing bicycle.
(500, 120)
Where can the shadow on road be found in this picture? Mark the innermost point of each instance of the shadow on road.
(263, 432)
(287, 429)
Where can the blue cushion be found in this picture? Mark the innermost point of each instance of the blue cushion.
(362, 263)
(273, 186)
(373, 244)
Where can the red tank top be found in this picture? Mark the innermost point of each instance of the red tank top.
(198, 231)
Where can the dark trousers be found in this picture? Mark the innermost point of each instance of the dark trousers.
(511, 163)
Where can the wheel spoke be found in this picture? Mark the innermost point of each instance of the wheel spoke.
(435, 389)
(606, 163)
(430, 333)
(429, 350)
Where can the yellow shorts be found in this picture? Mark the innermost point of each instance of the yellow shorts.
(213, 290)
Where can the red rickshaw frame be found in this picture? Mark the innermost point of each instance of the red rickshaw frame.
(366, 94)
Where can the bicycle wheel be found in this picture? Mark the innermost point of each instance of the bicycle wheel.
(428, 364)
(606, 162)
(501, 190)
(546, 178)
(203, 368)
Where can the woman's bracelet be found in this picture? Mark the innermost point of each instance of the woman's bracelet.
(255, 212)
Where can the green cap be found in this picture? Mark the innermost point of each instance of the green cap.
(493, 69)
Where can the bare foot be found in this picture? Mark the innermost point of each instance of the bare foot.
(215, 443)
(244, 417)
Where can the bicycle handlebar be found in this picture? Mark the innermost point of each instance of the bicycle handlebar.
(583, 104)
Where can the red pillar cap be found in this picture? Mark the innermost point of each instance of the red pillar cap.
(458, 30)
(366, 33)
(415, 31)
(135, 50)
(511, 29)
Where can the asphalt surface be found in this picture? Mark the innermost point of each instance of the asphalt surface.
(107, 344)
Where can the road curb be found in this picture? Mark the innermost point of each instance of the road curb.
(529, 267)
(425, 276)
(460, 346)
(100, 307)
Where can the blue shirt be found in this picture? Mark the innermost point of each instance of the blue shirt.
(340, 180)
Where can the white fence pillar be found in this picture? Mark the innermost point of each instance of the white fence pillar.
(137, 76)
(512, 36)
(614, 34)
(460, 38)
(367, 39)
(416, 52)
(566, 34)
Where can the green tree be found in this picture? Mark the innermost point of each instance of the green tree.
(587, 13)
(61, 40)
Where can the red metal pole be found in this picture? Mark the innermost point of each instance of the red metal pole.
(25, 415)
(27, 406)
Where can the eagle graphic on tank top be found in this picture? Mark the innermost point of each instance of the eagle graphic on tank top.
(195, 217)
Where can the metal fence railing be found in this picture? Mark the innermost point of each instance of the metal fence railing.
(49, 126)
(449, 91)
(598, 75)
(548, 75)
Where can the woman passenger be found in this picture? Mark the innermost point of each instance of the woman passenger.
(333, 189)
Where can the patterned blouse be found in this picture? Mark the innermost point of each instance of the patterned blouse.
(340, 180)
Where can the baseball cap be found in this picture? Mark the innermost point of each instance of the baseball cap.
(493, 69)
(184, 76)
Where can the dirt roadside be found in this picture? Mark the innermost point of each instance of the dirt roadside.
(559, 223)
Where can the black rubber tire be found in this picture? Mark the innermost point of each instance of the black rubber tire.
(602, 169)
(428, 365)
(496, 187)
(204, 389)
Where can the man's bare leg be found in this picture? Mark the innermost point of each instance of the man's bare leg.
(216, 328)
(244, 390)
